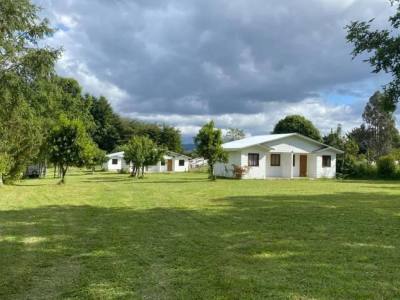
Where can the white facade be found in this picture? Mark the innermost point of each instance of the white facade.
(173, 162)
(279, 156)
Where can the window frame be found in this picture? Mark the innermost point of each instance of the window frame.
(273, 163)
(324, 162)
(181, 163)
(114, 161)
(252, 160)
(294, 160)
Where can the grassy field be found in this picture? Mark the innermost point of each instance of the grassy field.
(179, 236)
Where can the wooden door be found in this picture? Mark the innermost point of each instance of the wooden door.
(303, 165)
(169, 165)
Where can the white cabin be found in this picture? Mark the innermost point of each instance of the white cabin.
(173, 162)
(279, 156)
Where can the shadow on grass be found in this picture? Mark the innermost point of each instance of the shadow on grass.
(319, 246)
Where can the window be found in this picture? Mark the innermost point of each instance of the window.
(181, 162)
(294, 160)
(163, 162)
(254, 159)
(275, 160)
(326, 161)
(114, 161)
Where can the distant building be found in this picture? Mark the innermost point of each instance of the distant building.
(173, 162)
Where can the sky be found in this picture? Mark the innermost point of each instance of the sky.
(242, 63)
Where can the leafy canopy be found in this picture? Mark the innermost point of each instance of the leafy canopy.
(142, 152)
(209, 145)
(70, 145)
(298, 124)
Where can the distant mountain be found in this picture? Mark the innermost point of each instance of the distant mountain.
(188, 147)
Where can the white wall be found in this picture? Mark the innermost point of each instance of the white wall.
(273, 171)
(325, 172)
(296, 168)
(177, 168)
(226, 170)
(121, 165)
(311, 166)
(254, 172)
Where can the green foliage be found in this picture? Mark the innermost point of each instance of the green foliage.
(299, 124)
(24, 66)
(93, 156)
(209, 145)
(164, 136)
(362, 169)
(70, 145)
(378, 134)
(108, 128)
(386, 167)
(141, 151)
(382, 46)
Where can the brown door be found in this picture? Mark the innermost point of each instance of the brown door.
(303, 165)
(169, 165)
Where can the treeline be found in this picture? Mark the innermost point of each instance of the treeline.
(46, 118)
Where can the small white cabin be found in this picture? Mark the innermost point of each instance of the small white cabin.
(279, 156)
(173, 162)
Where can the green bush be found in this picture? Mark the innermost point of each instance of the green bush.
(363, 170)
(386, 167)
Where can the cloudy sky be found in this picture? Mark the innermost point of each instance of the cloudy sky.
(243, 63)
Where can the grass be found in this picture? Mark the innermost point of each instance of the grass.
(179, 236)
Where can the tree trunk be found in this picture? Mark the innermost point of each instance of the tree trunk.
(211, 172)
(143, 172)
(63, 173)
(1, 180)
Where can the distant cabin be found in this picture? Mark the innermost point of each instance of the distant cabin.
(172, 162)
(279, 156)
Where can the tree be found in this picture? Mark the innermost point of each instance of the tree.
(335, 138)
(93, 156)
(170, 138)
(25, 64)
(299, 124)
(234, 134)
(108, 128)
(69, 145)
(141, 152)
(378, 134)
(382, 46)
(209, 145)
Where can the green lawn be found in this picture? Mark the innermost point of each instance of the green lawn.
(179, 236)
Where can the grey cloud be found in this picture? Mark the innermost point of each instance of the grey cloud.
(215, 56)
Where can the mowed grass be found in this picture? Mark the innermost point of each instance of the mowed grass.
(179, 236)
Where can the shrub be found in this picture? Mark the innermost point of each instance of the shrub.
(363, 170)
(239, 171)
(386, 167)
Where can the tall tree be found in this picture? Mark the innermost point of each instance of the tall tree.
(108, 129)
(234, 134)
(170, 138)
(335, 138)
(209, 145)
(382, 46)
(24, 64)
(378, 134)
(298, 124)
